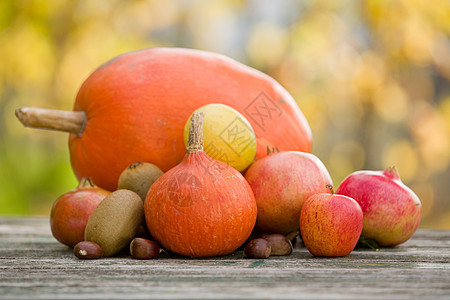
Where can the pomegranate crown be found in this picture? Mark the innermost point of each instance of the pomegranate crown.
(392, 172)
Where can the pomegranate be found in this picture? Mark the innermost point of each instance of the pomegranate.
(71, 211)
(281, 183)
(391, 210)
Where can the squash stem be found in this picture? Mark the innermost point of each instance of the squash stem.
(195, 139)
(61, 120)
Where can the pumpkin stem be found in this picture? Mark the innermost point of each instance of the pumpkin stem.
(61, 120)
(195, 139)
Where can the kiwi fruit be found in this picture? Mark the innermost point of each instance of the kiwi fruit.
(138, 177)
(115, 221)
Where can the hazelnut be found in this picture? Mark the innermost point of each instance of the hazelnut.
(87, 250)
(257, 248)
(141, 248)
(279, 244)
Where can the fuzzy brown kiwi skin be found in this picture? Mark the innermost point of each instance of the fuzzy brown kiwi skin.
(138, 177)
(115, 221)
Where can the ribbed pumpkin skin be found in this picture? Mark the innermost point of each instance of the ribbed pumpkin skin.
(200, 208)
(137, 105)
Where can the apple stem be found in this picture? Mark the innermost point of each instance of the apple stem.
(330, 187)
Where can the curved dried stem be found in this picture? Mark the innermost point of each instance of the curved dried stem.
(60, 120)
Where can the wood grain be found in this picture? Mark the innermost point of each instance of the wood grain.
(33, 265)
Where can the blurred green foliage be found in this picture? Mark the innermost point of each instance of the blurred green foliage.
(372, 78)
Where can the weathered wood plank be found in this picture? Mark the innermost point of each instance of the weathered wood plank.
(34, 265)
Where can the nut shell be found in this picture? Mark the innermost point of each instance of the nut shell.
(87, 250)
(257, 248)
(144, 249)
(279, 244)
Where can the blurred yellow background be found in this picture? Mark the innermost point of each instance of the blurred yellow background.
(371, 77)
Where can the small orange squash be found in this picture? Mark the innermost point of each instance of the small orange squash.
(134, 107)
(201, 207)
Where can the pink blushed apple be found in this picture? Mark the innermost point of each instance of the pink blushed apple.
(392, 211)
(330, 224)
(281, 183)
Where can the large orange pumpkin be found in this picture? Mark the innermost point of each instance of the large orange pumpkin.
(136, 106)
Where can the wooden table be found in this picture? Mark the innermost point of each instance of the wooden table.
(34, 266)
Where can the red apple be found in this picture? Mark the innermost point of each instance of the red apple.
(391, 210)
(71, 211)
(281, 183)
(330, 224)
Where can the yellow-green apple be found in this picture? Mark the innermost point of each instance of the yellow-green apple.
(330, 224)
(281, 182)
(392, 211)
(71, 211)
